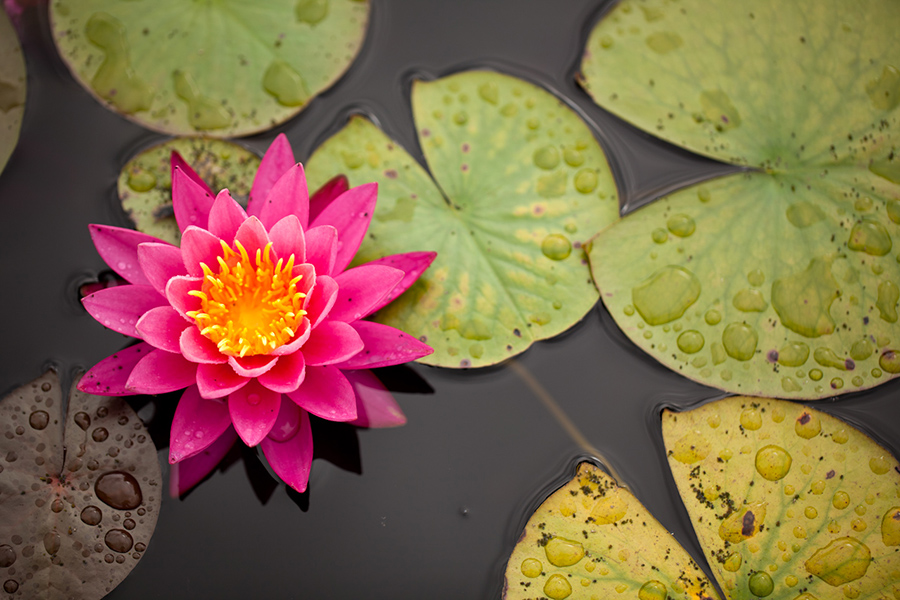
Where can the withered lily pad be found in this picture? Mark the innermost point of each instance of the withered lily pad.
(79, 493)
(519, 182)
(782, 281)
(787, 500)
(226, 68)
(12, 88)
(592, 539)
(145, 182)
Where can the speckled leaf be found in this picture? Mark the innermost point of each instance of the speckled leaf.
(145, 183)
(79, 493)
(225, 68)
(520, 182)
(12, 88)
(788, 500)
(592, 539)
(782, 281)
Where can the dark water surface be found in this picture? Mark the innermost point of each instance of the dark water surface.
(430, 510)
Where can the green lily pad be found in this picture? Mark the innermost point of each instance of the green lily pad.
(12, 88)
(225, 68)
(80, 491)
(787, 500)
(145, 182)
(781, 281)
(593, 539)
(519, 182)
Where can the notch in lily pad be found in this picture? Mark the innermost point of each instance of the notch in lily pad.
(208, 68)
(81, 489)
(783, 280)
(515, 184)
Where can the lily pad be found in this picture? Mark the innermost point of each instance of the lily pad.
(593, 539)
(79, 493)
(519, 182)
(781, 281)
(145, 182)
(224, 69)
(787, 500)
(12, 88)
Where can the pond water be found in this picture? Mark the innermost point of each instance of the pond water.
(429, 510)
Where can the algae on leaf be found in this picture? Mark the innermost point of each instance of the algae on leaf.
(145, 182)
(519, 183)
(783, 280)
(79, 492)
(225, 68)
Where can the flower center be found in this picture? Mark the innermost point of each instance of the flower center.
(249, 307)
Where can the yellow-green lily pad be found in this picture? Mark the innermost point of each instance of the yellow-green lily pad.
(12, 88)
(787, 500)
(224, 68)
(593, 539)
(783, 280)
(145, 182)
(519, 182)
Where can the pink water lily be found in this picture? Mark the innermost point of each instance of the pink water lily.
(256, 316)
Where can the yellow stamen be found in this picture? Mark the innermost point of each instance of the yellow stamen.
(249, 307)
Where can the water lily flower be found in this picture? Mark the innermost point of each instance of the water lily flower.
(256, 316)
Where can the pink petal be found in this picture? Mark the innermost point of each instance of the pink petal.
(160, 263)
(375, 406)
(276, 162)
(296, 342)
(361, 288)
(200, 246)
(118, 248)
(190, 200)
(287, 375)
(321, 300)
(321, 248)
(198, 348)
(287, 425)
(383, 346)
(308, 281)
(108, 377)
(326, 393)
(197, 423)
(177, 162)
(253, 410)
(252, 235)
(160, 372)
(120, 307)
(216, 381)
(252, 366)
(161, 327)
(331, 342)
(177, 294)
(189, 472)
(287, 239)
(288, 196)
(413, 264)
(225, 216)
(333, 188)
(350, 213)
(292, 459)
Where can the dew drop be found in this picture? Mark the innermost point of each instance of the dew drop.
(546, 157)
(862, 349)
(807, 425)
(712, 317)
(760, 584)
(100, 434)
(890, 527)
(681, 225)
(750, 301)
(311, 12)
(83, 420)
(803, 214)
(557, 587)
(739, 340)
(653, 590)
(890, 361)
(884, 91)
(733, 562)
(556, 246)
(57, 505)
(573, 157)
(489, 92)
(531, 567)
(663, 42)
(690, 341)
(665, 295)
(586, 181)
(870, 237)
(7, 555)
(118, 540)
(141, 180)
(880, 465)
(743, 523)
(773, 462)
(843, 560)
(39, 419)
(610, 508)
(10, 586)
(91, 515)
(659, 235)
(119, 490)
(888, 294)
(563, 553)
(52, 542)
(793, 354)
(691, 447)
